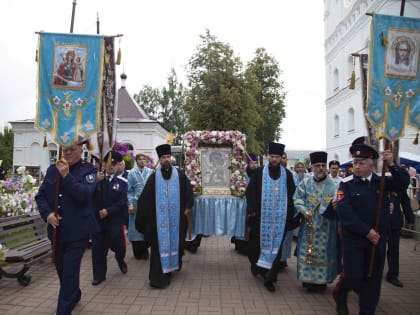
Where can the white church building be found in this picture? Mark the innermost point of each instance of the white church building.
(347, 32)
(133, 128)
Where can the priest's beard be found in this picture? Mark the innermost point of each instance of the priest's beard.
(319, 177)
(274, 171)
(166, 170)
(300, 175)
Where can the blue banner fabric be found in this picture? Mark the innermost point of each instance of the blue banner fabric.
(70, 71)
(393, 82)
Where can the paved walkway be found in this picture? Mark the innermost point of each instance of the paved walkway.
(215, 280)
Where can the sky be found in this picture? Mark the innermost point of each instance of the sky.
(164, 34)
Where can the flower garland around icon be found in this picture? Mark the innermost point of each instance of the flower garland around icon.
(195, 138)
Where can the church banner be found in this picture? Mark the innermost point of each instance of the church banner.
(69, 85)
(393, 83)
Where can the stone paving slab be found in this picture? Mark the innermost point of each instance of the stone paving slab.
(215, 280)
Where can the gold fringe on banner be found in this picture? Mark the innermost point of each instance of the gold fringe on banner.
(352, 80)
(416, 139)
(384, 40)
(118, 61)
(353, 76)
(44, 145)
(89, 145)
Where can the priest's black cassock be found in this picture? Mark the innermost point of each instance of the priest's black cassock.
(146, 223)
(253, 197)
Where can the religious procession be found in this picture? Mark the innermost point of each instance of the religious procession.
(131, 205)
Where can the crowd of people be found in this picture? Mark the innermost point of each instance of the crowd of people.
(334, 218)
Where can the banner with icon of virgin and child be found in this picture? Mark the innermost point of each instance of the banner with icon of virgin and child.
(393, 83)
(69, 85)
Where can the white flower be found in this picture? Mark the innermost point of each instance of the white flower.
(21, 170)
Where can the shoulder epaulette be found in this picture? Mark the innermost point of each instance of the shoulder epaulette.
(348, 178)
(122, 178)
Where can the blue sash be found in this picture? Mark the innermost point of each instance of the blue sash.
(167, 219)
(273, 216)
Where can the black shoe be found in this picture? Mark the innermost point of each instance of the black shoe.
(269, 286)
(78, 297)
(342, 309)
(254, 270)
(123, 267)
(96, 282)
(192, 249)
(395, 281)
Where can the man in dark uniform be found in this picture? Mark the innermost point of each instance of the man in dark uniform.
(399, 200)
(357, 199)
(75, 220)
(162, 211)
(111, 214)
(269, 194)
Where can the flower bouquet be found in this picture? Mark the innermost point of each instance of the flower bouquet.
(193, 139)
(3, 253)
(17, 194)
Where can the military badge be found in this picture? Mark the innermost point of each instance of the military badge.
(116, 187)
(90, 178)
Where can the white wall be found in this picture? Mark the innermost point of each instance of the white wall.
(347, 31)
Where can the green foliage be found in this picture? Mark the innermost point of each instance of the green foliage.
(6, 148)
(166, 106)
(269, 96)
(220, 97)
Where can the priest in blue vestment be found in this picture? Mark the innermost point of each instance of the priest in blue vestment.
(162, 211)
(270, 213)
(316, 246)
(137, 178)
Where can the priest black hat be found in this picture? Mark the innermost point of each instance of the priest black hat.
(361, 140)
(363, 151)
(318, 157)
(116, 157)
(163, 149)
(276, 148)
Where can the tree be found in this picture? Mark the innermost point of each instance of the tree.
(166, 106)
(269, 97)
(6, 148)
(220, 97)
(173, 100)
(149, 98)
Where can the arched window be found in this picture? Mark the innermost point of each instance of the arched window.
(52, 153)
(335, 80)
(129, 146)
(350, 120)
(336, 125)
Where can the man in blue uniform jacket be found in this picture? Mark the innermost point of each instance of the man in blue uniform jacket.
(75, 219)
(399, 200)
(357, 199)
(111, 213)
